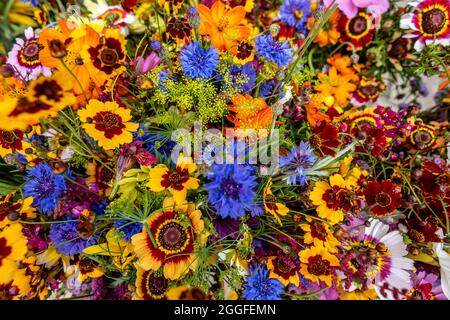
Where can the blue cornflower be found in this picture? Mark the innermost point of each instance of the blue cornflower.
(246, 71)
(156, 45)
(128, 228)
(198, 62)
(295, 13)
(232, 190)
(296, 162)
(66, 239)
(260, 287)
(273, 51)
(44, 186)
(156, 144)
(33, 3)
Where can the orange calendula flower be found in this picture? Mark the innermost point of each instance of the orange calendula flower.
(224, 25)
(271, 205)
(170, 240)
(177, 181)
(250, 112)
(336, 85)
(12, 249)
(107, 123)
(329, 33)
(343, 65)
(318, 264)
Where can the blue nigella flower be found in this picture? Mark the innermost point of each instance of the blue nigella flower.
(44, 186)
(198, 62)
(295, 13)
(246, 71)
(296, 162)
(273, 50)
(128, 228)
(232, 190)
(260, 287)
(66, 239)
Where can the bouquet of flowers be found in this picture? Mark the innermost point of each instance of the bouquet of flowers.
(224, 149)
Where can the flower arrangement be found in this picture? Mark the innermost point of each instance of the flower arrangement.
(222, 149)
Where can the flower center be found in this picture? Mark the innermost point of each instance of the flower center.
(223, 23)
(317, 266)
(358, 25)
(31, 50)
(443, 180)
(156, 284)
(109, 56)
(383, 199)
(244, 50)
(50, 89)
(231, 188)
(8, 137)
(433, 21)
(283, 267)
(298, 14)
(318, 231)
(172, 237)
(110, 123)
(5, 250)
(422, 138)
(316, 141)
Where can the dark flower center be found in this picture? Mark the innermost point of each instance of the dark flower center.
(50, 89)
(231, 188)
(283, 267)
(156, 285)
(244, 50)
(31, 50)
(109, 56)
(433, 21)
(108, 122)
(8, 137)
(383, 199)
(105, 175)
(172, 236)
(422, 138)
(318, 231)
(86, 266)
(443, 180)
(369, 91)
(358, 25)
(317, 266)
(5, 250)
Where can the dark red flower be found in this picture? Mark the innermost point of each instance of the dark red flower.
(325, 137)
(358, 30)
(384, 197)
(435, 179)
(374, 139)
(179, 28)
(422, 231)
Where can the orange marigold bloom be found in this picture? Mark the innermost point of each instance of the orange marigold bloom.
(250, 112)
(224, 25)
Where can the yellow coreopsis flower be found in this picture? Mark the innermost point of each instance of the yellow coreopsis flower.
(177, 181)
(317, 264)
(107, 123)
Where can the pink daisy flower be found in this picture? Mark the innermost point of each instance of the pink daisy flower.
(24, 57)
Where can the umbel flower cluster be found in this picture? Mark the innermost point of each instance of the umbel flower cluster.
(96, 204)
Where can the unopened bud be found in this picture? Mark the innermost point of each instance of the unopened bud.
(57, 49)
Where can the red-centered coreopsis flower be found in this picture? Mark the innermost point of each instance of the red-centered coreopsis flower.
(325, 137)
(179, 29)
(176, 232)
(423, 231)
(373, 139)
(384, 197)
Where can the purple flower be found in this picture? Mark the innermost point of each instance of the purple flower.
(147, 64)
